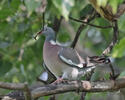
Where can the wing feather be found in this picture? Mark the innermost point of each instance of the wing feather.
(70, 56)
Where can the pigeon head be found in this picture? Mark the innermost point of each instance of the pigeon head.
(48, 32)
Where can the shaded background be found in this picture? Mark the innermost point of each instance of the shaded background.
(21, 55)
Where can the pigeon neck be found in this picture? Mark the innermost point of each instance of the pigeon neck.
(50, 38)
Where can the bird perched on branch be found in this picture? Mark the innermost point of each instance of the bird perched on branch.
(63, 62)
(104, 8)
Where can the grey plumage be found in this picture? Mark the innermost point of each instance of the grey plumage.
(62, 61)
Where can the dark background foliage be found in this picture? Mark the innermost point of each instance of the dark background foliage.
(21, 55)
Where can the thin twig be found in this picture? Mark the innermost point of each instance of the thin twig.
(81, 27)
(81, 21)
(112, 70)
(110, 47)
(43, 18)
(114, 40)
(83, 95)
(115, 32)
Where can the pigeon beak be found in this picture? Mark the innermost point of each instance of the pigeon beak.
(38, 33)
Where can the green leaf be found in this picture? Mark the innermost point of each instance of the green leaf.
(5, 13)
(119, 49)
(5, 66)
(114, 4)
(64, 7)
(8, 9)
(87, 10)
(102, 2)
(32, 5)
(15, 4)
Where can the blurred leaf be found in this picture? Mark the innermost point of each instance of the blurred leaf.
(102, 2)
(32, 5)
(22, 27)
(88, 96)
(15, 4)
(86, 11)
(114, 4)
(4, 13)
(3, 45)
(64, 7)
(63, 37)
(15, 79)
(119, 49)
(122, 74)
(5, 66)
(8, 10)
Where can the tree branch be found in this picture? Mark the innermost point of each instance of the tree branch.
(81, 86)
(72, 86)
(81, 27)
(114, 40)
(12, 86)
(18, 86)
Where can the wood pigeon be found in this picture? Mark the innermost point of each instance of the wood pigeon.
(63, 62)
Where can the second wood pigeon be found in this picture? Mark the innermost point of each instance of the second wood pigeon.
(63, 62)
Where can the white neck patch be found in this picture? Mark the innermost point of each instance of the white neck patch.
(53, 42)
